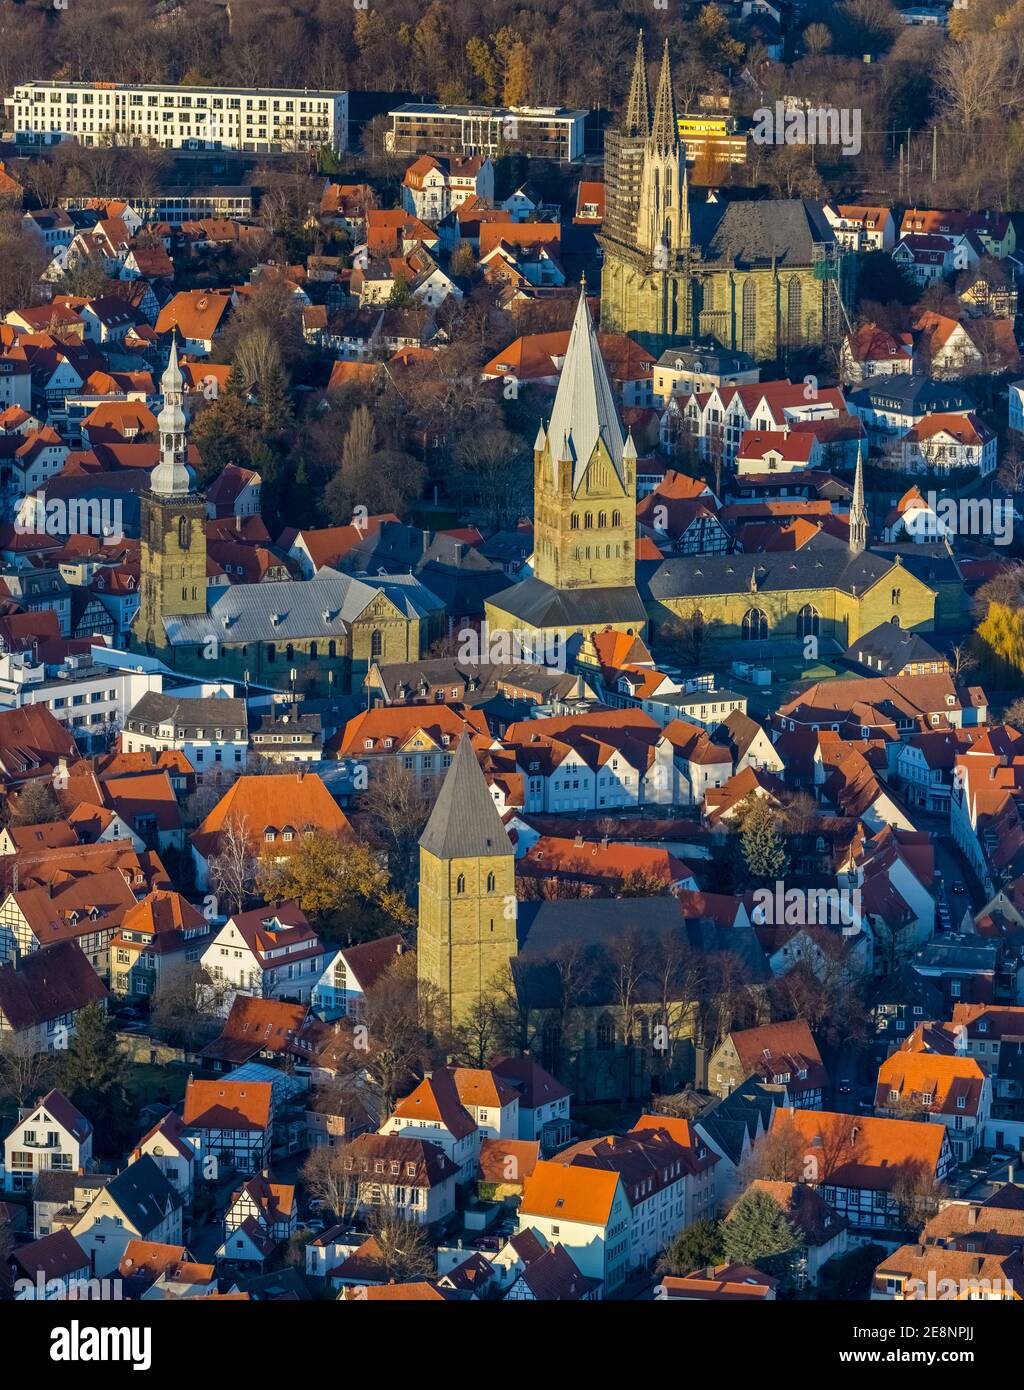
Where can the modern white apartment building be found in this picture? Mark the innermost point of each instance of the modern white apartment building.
(269, 120)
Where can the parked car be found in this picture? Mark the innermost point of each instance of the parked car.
(845, 1087)
(959, 888)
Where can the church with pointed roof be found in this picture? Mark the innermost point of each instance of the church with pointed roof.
(758, 276)
(584, 489)
(172, 536)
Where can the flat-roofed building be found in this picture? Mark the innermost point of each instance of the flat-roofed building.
(423, 127)
(266, 120)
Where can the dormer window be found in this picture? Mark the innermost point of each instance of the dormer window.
(270, 834)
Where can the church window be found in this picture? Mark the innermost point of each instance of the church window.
(895, 596)
(313, 653)
(184, 532)
(588, 520)
(289, 652)
(460, 883)
(193, 591)
(755, 625)
(588, 552)
(376, 642)
(794, 313)
(332, 648)
(184, 591)
(808, 621)
(616, 518)
(574, 522)
(605, 1033)
(607, 552)
(490, 883)
(748, 324)
(602, 518)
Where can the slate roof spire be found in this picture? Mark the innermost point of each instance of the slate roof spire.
(465, 823)
(858, 512)
(584, 411)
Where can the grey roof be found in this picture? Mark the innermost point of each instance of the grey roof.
(323, 606)
(464, 823)
(820, 564)
(206, 713)
(709, 357)
(921, 394)
(786, 230)
(545, 929)
(584, 412)
(539, 605)
(143, 1194)
(737, 731)
(728, 1120)
(890, 648)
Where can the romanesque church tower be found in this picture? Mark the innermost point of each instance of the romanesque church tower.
(467, 907)
(584, 501)
(584, 480)
(173, 538)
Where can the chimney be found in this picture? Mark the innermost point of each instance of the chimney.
(972, 1216)
(578, 842)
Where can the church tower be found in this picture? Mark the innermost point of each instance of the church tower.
(663, 222)
(858, 512)
(584, 511)
(584, 484)
(467, 906)
(172, 532)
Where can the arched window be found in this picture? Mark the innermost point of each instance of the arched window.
(332, 648)
(574, 522)
(616, 518)
(271, 652)
(755, 625)
(289, 652)
(605, 1033)
(794, 313)
(184, 532)
(490, 883)
(313, 653)
(808, 621)
(602, 518)
(588, 520)
(748, 323)
(460, 883)
(376, 642)
(895, 596)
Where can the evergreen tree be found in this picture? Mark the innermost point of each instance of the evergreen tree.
(758, 1233)
(93, 1078)
(696, 1247)
(764, 849)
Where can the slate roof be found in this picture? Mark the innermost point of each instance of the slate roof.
(584, 412)
(189, 714)
(464, 823)
(754, 233)
(245, 612)
(820, 564)
(595, 924)
(887, 649)
(539, 605)
(143, 1194)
